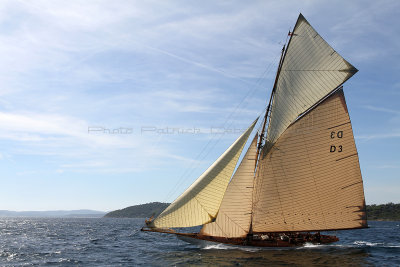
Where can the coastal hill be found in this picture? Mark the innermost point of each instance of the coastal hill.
(139, 211)
(384, 212)
(388, 212)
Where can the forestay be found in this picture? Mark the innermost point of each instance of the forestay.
(200, 203)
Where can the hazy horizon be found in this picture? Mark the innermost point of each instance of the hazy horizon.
(102, 211)
(56, 210)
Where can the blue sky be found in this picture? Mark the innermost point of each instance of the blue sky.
(70, 67)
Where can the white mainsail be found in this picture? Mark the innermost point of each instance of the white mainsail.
(310, 179)
(311, 69)
(200, 203)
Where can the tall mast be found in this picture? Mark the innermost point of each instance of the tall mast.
(261, 139)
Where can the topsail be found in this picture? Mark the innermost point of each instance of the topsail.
(311, 69)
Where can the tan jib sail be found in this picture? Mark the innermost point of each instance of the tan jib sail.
(200, 203)
(311, 69)
(233, 219)
(310, 179)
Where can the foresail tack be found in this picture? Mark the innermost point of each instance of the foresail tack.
(311, 69)
(234, 216)
(310, 180)
(200, 203)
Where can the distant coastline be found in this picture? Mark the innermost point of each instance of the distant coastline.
(54, 213)
(382, 212)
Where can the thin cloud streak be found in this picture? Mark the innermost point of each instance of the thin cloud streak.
(382, 109)
(377, 136)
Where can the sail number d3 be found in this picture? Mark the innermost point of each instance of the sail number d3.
(339, 148)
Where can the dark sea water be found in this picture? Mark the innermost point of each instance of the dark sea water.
(119, 242)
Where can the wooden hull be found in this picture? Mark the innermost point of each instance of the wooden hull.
(256, 240)
(209, 240)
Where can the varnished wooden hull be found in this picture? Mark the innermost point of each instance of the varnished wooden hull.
(254, 241)
(209, 240)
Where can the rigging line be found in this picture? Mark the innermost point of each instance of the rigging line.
(282, 56)
(258, 185)
(281, 61)
(255, 195)
(261, 137)
(285, 178)
(193, 169)
(230, 219)
(250, 92)
(279, 195)
(220, 228)
(239, 187)
(198, 201)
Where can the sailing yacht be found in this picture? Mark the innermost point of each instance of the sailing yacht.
(300, 174)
